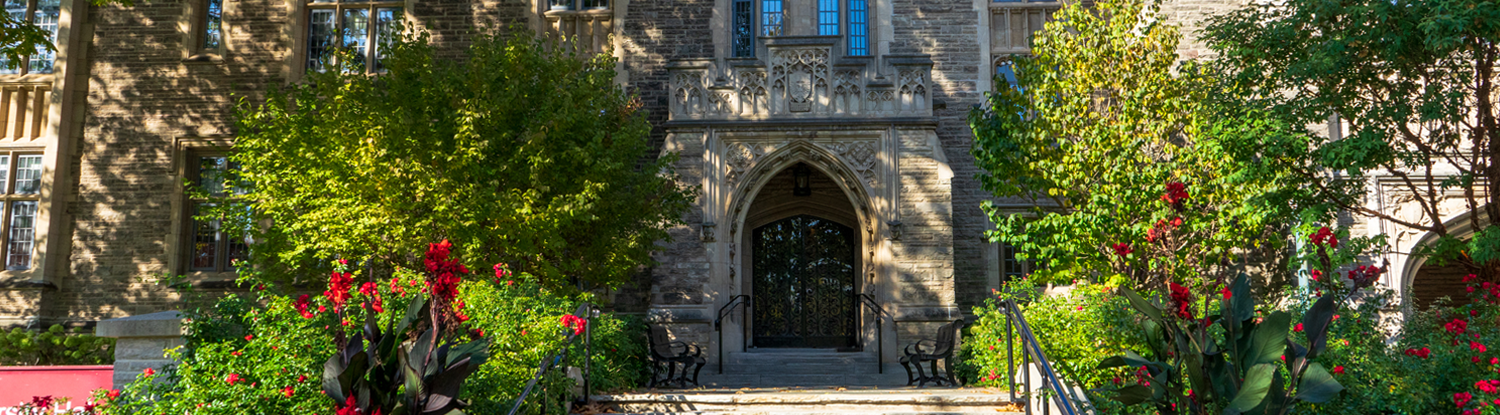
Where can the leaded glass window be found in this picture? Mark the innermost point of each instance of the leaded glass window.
(744, 28)
(22, 235)
(771, 16)
(859, 28)
(213, 26)
(44, 14)
(828, 17)
(212, 245)
(334, 25)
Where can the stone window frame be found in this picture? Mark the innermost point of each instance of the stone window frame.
(372, 47)
(31, 13)
(193, 28)
(11, 199)
(179, 242)
(998, 44)
(223, 259)
(295, 65)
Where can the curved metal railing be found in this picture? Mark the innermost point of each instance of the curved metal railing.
(1062, 396)
(551, 361)
(742, 301)
(869, 302)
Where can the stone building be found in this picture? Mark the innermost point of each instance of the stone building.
(838, 125)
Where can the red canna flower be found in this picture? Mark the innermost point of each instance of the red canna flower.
(372, 291)
(1182, 299)
(1338, 370)
(1227, 294)
(338, 289)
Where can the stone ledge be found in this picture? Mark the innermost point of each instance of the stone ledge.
(163, 324)
(19, 284)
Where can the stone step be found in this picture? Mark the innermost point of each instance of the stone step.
(816, 401)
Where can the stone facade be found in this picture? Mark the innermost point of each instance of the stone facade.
(133, 99)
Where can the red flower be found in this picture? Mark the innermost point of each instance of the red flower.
(113, 393)
(322, 309)
(1462, 398)
(236, 353)
(1470, 277)
(1122, 249)
(1338, 370)
(1423, 353)
(248, 337)
(574, 322)
(1176, 221)
(149, 371)
(1317, 275)
(442, 271)
(1182, 299)
(1457, 326)
(501, 271)
(1297, 328)
(1364, 275)
(302, 305)
(42, 401)
(350, 407)
(372, 291)
(1324, 236)
(287, 391)
(1485, 386)
(1227, 294)
(338, 289)
(1476, 346)
(233, 377)
(1175, 195)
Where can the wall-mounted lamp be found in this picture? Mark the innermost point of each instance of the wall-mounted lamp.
(802, 180)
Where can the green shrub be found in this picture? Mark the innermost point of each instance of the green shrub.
(55, 346)
(258, 353)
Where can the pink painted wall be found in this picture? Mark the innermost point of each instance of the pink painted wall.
(19, 383)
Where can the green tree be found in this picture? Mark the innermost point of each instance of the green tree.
(520, 153)
(20, 37)
(1125, 166)
(1413, 84)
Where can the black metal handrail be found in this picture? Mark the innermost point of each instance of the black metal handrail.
(738, 300)
(869, 302)
(587, 312)
(1064, 397)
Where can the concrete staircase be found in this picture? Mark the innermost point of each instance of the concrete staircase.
(815, 401)
(801, 367)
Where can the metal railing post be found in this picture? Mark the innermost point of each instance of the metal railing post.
(588, 351)
(879, 346)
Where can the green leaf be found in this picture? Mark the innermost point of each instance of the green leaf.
(1143, 306)
(1317, 385)
(1131, 395)
(1253, 391)
(1315, 323)
(1268, 340)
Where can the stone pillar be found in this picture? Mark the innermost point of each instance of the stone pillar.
(142, 342)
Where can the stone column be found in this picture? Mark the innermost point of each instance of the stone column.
(142, 342)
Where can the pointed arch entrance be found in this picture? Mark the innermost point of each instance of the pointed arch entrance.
(803, 253)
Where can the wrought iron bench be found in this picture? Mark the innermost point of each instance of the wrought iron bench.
(940, 349)
(664, 359)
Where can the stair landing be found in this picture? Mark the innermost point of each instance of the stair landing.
(815, 401)
(773, 368)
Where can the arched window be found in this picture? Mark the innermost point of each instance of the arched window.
(753, 18)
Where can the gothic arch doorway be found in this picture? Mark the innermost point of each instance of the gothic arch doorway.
(803, 263)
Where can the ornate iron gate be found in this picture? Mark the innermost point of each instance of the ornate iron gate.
(803, 284)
